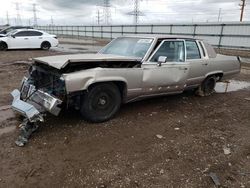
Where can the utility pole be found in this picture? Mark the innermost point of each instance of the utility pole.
(34, 14)
(98, 17)
(242, 7)
(52, 20)
(7, 18)
(219, 15)
(18, 17)
(107, 13)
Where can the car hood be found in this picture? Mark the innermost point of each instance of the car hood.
(61, 61)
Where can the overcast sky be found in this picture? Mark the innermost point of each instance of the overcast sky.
(84, 12)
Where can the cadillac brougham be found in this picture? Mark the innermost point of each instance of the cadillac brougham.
(127, 69)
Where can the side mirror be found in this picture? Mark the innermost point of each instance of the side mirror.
(161, 59)
(13, 36)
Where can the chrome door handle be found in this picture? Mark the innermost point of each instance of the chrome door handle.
(204, 63)
(26, 38)
(40, 37)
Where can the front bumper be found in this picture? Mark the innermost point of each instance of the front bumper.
(33, 103)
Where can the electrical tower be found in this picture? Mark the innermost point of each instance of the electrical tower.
(242, 7)
(18, 17)
(34, 14)
(107, 12)
(136, 12)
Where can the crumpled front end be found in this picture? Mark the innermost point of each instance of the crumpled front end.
(32, 103)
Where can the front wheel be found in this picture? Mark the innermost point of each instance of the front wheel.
(101, 102)
(3, 46)
(207, 86)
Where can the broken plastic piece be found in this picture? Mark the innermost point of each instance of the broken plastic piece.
(26, 130)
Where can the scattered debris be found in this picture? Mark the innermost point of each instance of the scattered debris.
(159, 136)
(26, 129)
(177, 128)
(215, 178)
(248, 99)
(226, 150)
(161, 171)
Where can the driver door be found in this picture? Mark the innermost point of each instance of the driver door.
(19, 40)
(169, 76)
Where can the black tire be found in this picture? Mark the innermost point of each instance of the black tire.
(207, 86)
(101, 102)
(3, 46)
(45, 45)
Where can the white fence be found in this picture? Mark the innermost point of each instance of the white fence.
(226, 35)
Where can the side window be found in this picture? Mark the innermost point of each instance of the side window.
(192, 50)
(22, 34)
(35, 33)
(173, 50)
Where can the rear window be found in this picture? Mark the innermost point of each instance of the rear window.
(193, 51)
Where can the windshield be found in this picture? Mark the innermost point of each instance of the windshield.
(11, 32)
(128, 46)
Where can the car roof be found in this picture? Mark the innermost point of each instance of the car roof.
(162, 36)
(27, 29)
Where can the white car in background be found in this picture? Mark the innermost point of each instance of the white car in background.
(27, 39)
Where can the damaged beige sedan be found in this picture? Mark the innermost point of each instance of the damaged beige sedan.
(126, 70)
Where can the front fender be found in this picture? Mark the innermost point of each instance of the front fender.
(79, 81)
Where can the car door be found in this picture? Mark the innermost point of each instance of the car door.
(169, 76)
(35, 39)
(198, 61)
(19, 40)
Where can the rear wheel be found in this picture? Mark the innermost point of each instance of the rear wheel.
(3, 46)
(101, 102)
(207, 86)
(45, 45)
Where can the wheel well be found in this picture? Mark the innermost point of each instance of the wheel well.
(217, 75)
(122, 86)
(4, 43)
(45, 42)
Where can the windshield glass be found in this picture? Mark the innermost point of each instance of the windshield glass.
(128, 46)
(11, 32)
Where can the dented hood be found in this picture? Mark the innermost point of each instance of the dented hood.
(60, 61)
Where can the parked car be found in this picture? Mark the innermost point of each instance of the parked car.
(11, 28)
(126, 70)
(28, 38)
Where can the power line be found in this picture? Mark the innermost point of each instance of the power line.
(242, 9)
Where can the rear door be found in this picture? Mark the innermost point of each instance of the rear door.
(168, 77)
(199, 64)
(35, 39)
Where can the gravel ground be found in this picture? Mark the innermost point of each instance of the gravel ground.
(173, 141)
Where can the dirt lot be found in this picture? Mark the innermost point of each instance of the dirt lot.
(125, 152)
